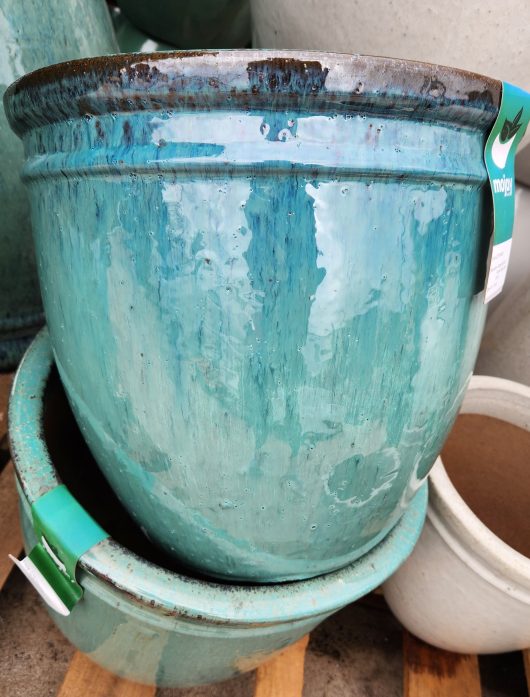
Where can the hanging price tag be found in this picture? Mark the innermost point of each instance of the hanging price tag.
(499, 155)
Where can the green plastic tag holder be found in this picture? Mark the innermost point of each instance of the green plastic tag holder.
(65, 532)
(499, 156)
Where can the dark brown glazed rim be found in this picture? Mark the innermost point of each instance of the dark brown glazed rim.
(251, 79)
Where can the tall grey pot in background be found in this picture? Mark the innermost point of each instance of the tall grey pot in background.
(192, 24)
(33, 34)
(484, 36)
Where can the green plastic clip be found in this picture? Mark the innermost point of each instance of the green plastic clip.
(65, 532)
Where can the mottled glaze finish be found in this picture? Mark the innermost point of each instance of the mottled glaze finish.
(32, 35)
(270, 297)
(192, 23)
(153, 625)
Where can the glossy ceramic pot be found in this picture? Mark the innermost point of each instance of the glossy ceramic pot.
(192, 24)
(141, 620)
(33, 34)
(464, 589)
(505, 348)
(464, 34)
(270, 297)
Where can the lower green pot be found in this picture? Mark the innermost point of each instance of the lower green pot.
(139, 617)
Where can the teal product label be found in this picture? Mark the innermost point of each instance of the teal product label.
(65, 532)
(499, 155)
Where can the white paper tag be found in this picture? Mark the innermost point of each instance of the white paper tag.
(500, 258)
(41, 585)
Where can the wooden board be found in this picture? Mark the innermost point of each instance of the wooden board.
(431, 672)
(283, 676)
(10, 537)
(526, 659)
(6, 380)
(84, 678)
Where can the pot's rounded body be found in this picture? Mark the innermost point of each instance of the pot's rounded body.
(463, 589)
(270, 291)
(33, 35)
(192, 24)
(145, 622)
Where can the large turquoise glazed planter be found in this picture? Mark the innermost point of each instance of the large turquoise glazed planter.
(33, 34)
(263, 276)
(141, 620)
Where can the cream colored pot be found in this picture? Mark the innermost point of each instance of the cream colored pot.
(464, 589)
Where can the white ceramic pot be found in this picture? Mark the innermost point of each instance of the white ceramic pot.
(463, 589)
(505, 348)
(483, 36)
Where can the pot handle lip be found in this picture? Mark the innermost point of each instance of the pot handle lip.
(487, 555)
(499, 398)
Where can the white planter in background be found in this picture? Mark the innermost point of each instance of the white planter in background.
(505, 348)
(463, 589)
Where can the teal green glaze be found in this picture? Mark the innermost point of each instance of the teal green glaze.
(270, 291)
(192, 23)
(33, 34)
(154, 625)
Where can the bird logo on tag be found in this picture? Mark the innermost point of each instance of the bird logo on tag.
(504, 140)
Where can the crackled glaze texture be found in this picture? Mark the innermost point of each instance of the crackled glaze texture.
(140, 619)
(270, 290)
(32, 36)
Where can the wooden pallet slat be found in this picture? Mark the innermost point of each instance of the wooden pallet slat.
(10, 535)
(431, 672)
(283, 676)
(85, 678)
